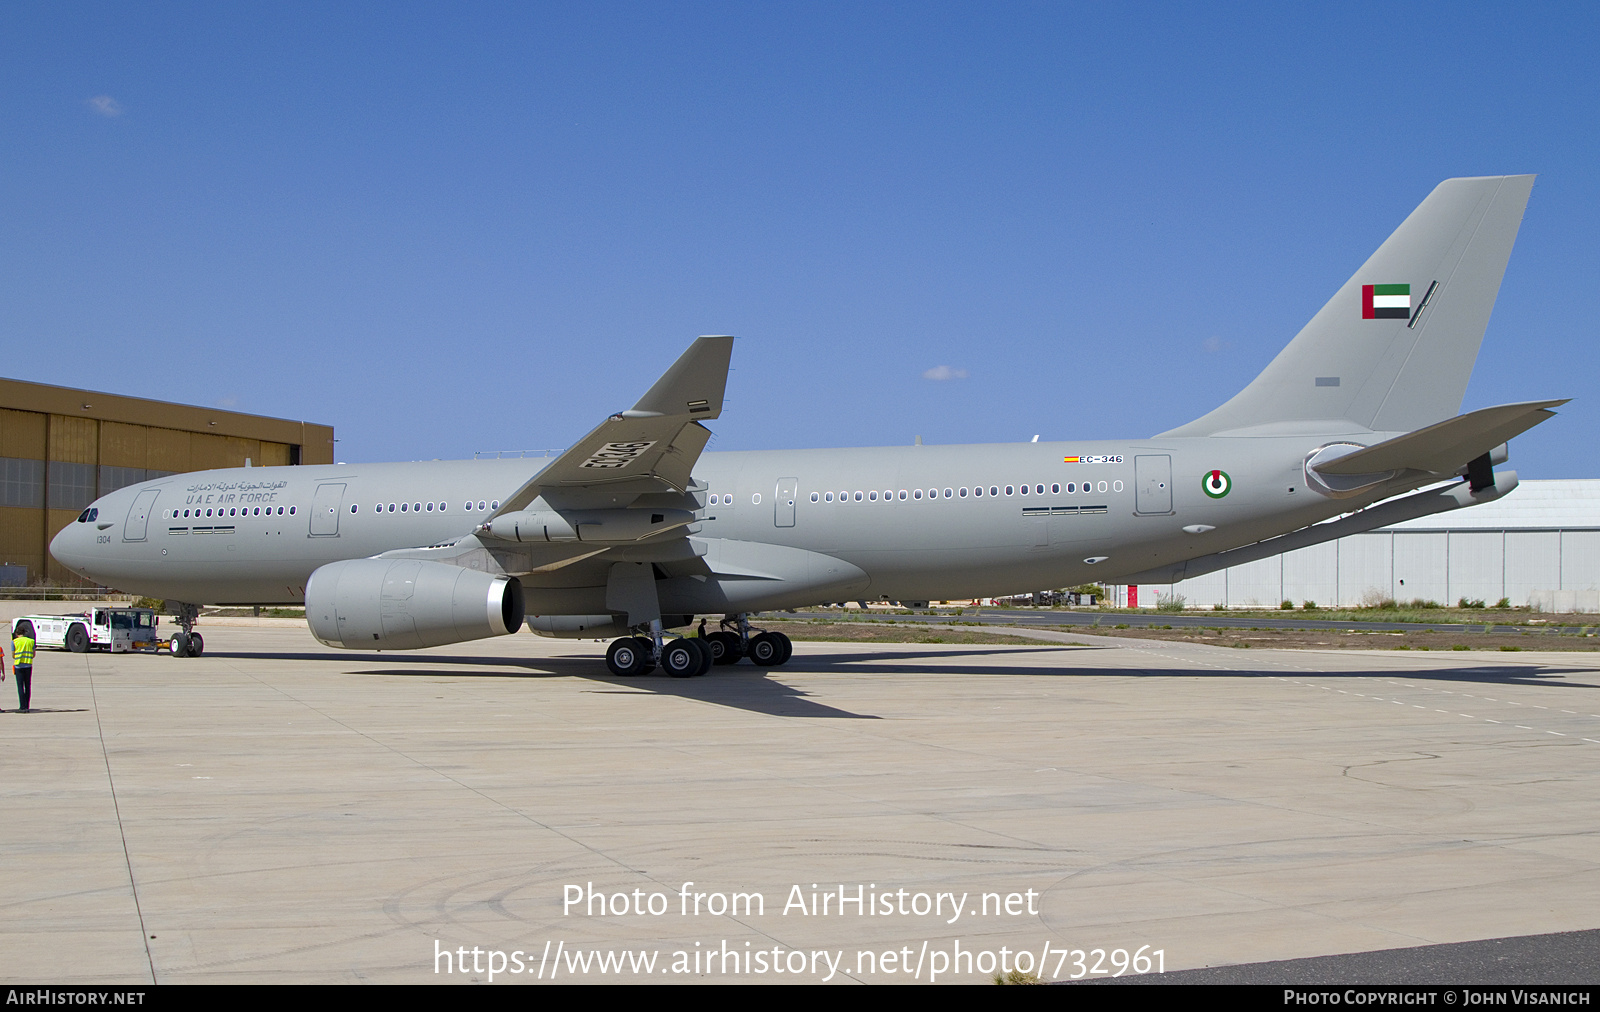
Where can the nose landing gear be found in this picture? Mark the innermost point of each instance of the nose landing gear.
(188, 643)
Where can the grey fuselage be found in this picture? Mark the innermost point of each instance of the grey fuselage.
(248, 535)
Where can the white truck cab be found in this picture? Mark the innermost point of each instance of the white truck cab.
(118, 630)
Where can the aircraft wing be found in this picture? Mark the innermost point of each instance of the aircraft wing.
(651, 447)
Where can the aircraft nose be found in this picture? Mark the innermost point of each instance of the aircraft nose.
(70, 545)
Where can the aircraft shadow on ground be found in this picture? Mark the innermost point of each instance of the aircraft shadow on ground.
(748, 688)
(757, 690)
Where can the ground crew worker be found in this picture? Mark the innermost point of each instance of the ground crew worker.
(22, 662)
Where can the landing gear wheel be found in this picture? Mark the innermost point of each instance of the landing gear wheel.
(197, 644)
(725, 648)
(766, 650)
(706, 658)
(681, 658)
(788, 647)
(78, 640)
(625, 659)
(180, 645)
(647, 649)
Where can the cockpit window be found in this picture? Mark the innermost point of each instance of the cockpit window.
(89, 515)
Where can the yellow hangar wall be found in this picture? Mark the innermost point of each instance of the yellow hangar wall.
(61, 448)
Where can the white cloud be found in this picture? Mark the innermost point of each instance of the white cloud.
(944, 372)
(105, 105)
(230, 401)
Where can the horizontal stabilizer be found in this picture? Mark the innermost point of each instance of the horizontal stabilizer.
(1448, 446)
(1419, 504)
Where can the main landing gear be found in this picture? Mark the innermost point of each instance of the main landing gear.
(689, 657)
(188, 643)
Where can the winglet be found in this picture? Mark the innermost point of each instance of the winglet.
(695, 383)
(651, 447)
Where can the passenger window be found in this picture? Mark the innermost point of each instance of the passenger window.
(978, 491)
(873, 496)
(354, 507)
(917, 494)
(963, 493)
(1102, 486)
(902, 494)
(947, 493)
(994, 490)
(813, 497)
(1117, 485)
(755, 498)
(495, 505)
(402, 507)
(858, 497)
(480, 504)
(1055, 489)
(291, 511)
(1039, 489)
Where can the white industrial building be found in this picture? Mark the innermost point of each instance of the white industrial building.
(1539, 546)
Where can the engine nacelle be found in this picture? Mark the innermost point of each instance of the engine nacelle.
(608, 526)
(395, 604)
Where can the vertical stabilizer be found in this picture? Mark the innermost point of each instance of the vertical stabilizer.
(1392, 351)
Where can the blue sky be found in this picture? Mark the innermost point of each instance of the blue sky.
(452, 228)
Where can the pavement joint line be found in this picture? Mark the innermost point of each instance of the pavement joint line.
(1397, 702)
(116, 807)
(495, 801)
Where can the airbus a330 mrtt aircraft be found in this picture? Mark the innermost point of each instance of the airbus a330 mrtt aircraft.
(633, 530)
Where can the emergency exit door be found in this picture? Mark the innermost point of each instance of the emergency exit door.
(1152, 483)
(325, 510)
(783, 502)
(138, 522)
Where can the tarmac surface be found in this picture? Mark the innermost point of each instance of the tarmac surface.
(277, 811)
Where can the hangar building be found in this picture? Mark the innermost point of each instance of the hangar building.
(1539, 545)
(61, 448)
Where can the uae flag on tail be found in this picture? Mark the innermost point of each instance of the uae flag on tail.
(1386, 302)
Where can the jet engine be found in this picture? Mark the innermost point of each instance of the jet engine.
(393, 604)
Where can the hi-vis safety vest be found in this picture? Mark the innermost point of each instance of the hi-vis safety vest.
(22, 652)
